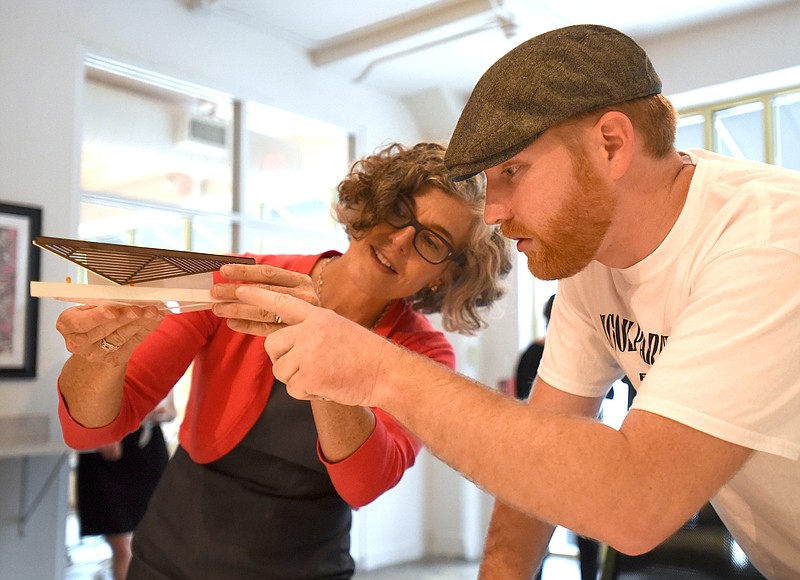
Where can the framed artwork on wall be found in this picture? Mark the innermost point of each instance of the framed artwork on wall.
(19, 312)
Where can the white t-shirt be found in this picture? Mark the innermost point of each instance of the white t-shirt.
(707, 328)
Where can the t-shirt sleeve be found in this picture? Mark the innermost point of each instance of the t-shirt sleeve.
(575, 358)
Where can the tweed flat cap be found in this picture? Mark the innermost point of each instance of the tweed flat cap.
(542, 82)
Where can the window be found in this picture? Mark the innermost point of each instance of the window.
(786, 115)
(163, 165)
(691, 132)
(739, 131)
(293, 167)
(761, 128)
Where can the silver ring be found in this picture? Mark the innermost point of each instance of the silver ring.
(278, 319)
(108, 346)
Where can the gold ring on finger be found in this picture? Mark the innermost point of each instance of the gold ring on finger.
(108, 346)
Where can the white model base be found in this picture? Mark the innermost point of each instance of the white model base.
(168, 300)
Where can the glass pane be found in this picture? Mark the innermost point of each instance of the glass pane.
(154, 228)
(263, 238)
(293, 168)
(149, 143)
(787, 130)
(739, 131)
(211, 235)
(690, 134)
(139, 227)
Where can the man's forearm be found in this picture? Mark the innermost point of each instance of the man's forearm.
(515, 546)
(555, 462)
(525, 455)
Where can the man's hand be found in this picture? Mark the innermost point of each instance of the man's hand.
(321, 355)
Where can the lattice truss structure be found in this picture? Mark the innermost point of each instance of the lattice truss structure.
(126, 265)
(172, 280)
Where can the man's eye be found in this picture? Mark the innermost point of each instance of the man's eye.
(510, 171)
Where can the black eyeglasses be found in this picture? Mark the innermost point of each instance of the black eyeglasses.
(431, 246)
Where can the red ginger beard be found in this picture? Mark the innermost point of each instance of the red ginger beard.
(572, 237)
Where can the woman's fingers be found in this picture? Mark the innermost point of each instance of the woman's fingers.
(289, 309)
(245, 311)
(106, 332)
(262, 276)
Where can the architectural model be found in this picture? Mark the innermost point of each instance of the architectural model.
(172, 280)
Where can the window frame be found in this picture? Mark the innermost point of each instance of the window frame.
(767, 100)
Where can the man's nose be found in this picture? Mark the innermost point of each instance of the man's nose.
(495, 211)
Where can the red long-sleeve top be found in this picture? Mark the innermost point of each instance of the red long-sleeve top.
(231, 383)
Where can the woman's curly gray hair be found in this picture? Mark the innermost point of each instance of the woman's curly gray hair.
(372, 189)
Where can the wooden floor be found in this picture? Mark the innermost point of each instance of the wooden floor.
(555, 568)
(88, 560)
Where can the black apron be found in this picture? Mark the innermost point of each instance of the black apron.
(266, 510)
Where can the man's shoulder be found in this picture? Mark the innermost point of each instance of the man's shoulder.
(743, 172)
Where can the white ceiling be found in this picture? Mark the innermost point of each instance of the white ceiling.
(407, 46)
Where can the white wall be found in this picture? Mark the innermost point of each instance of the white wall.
(42, 44)
(33, 508)
(733, 49)
(37, 156)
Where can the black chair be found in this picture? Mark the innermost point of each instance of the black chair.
(702, 549)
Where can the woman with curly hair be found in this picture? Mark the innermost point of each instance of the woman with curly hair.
(262, 485)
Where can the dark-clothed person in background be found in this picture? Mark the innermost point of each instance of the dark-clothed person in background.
(528, 363)
(113, 484)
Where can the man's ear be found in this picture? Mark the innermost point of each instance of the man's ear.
(618, 138)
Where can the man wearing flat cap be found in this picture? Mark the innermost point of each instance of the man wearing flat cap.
(678, 269)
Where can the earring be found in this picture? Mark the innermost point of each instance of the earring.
(433, 286)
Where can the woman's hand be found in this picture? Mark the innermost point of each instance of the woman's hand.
(101, 340)
(106, 334)
(251, 318)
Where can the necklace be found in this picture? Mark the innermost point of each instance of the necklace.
(321, 283)
(320, 279)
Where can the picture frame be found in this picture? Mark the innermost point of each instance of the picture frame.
(19, 311)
